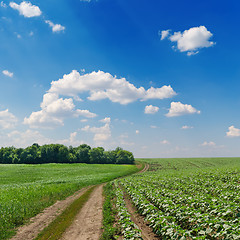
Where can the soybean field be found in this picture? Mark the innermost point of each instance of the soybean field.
(181, 199)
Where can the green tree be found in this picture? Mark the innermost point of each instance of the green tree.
(96, 155)
(124, 157)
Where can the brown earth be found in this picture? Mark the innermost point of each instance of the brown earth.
(146, 231)
(40, 221)
(88, 222)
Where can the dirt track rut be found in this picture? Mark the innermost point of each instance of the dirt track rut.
(39, 222)
(88, 222)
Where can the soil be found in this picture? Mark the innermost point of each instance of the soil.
(40, 221)
(146, 231)
(146, 167)
(88, 222)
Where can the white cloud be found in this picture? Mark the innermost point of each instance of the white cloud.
(7, 119)
(125, 143)
(27, 138)
(54, 111)
(159, 93)
(41, 119)
(152, 126)
(100, 85)
(137, 131)
(26, 9)
(55, 27)
(186, 127)
(4, 5)
(164, 34)
(178, 109)
(106, 120)
(233, 132)
(7, 73)
(209, 144)
(83, 120)
(85, 113)
(165, 142)
(150, 109)
(191, 40)
(101, 134)
(72, 140)
(124, 135)
(103, 85)
(31, 33)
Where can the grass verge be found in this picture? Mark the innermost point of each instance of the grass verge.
(109, 212)
(110, 229)
(55, 230)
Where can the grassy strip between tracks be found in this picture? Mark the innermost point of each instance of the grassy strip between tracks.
(55, 229)
(110, 228)
(109, 213)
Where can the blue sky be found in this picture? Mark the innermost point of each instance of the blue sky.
(158, 78)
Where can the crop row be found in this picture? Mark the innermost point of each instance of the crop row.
(128, 228)
(179, 208)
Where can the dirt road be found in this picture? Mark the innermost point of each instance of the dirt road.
(86, 226)
(39, 222)
(88, 222)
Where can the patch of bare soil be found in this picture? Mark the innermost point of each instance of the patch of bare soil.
(146, 167)
(88, 222)
(39, 222)
(147, 232)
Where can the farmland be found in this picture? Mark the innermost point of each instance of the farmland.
(25, 190)
(183, 199)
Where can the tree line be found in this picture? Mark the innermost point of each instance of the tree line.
(58, 153)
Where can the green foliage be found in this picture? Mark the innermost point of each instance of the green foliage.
(96, 155)
(55, 229)
(189, 198)
(109, 212)
(58, 153)
(129, 229)
(124, 157)
(26, 190)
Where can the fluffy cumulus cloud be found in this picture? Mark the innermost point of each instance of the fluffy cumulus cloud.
(2, 4)
(106, 120)
(101, 85)
(7, 73)
(190, 40)
(164, 34)
(53, 112)
(26, 9)
(165, 142)
(27, 138)
(208, 144)
(186, 127)
(55, 27)
(7, 119)
(178, 109)
(233, 132)
(101, 134)
(72, 140)
(150, 109)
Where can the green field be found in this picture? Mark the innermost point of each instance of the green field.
(25, 190)
(197, 198)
